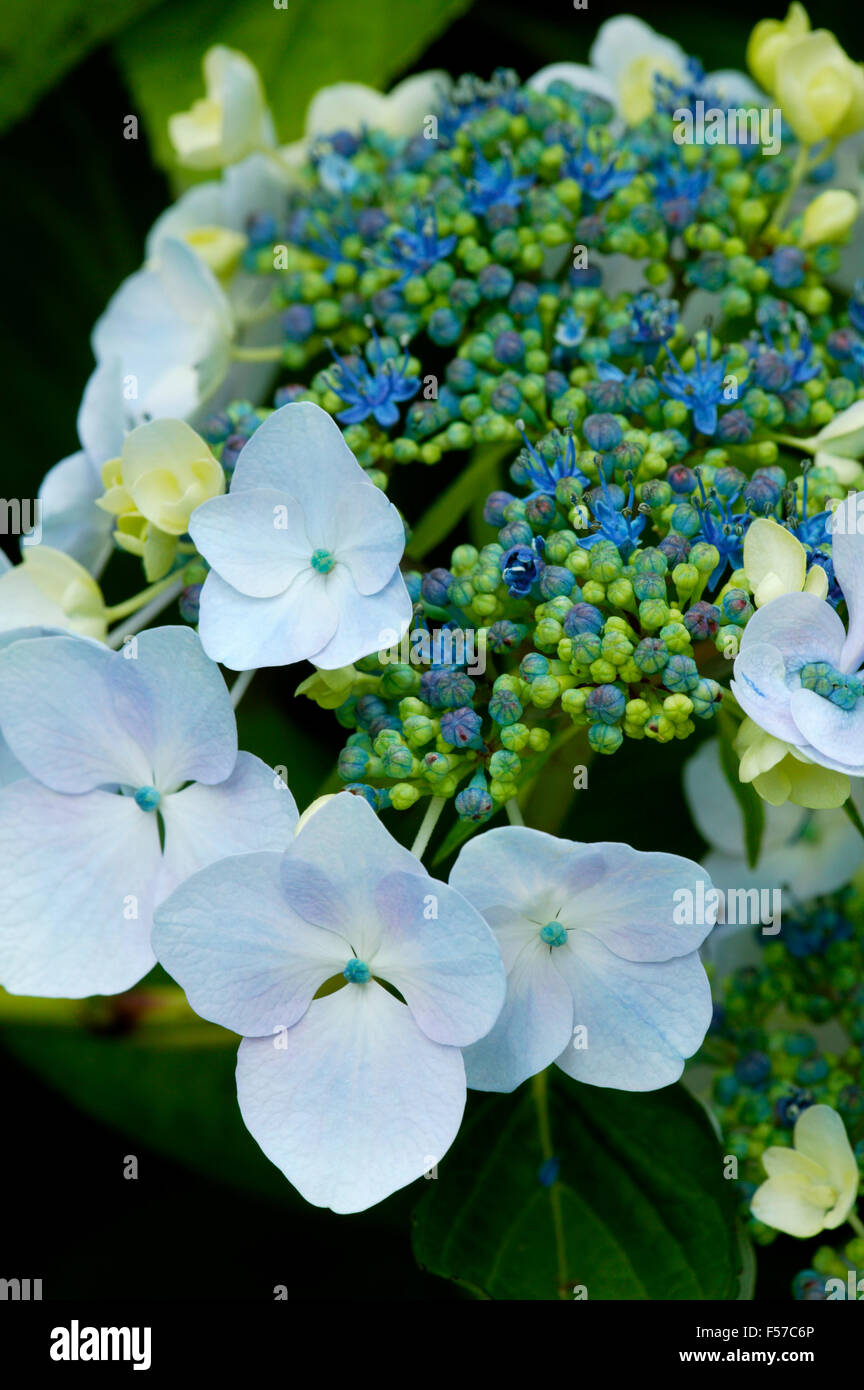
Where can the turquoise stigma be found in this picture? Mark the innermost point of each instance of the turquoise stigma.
(148, 798)
(554, 934)
(840, 688)
(357, 972)
(322, 561)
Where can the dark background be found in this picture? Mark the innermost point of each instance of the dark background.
(78, 206)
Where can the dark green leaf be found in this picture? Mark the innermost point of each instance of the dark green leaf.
(37, 47)
(644, 1211)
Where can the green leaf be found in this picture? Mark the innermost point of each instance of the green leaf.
(307, 45)
(37, 48)
(752, 808)
(640, 1209)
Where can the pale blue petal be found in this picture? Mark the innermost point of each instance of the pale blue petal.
(331, 871)
(364, 531)
(358, 1103)
(847, 553)
(101, 418)
(71, 731)
(627, 900)
(514, 872)
(245, 960)
(801, 627)
(642, 1019)
(70, 519)
(299, 450)
(251, 810)
(76, 894)
(441, 956)
(761, 690)
(535, 1024)
(190, 732)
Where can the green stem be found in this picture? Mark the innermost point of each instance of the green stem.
(430, 820)
(447, 511)
(540, 1092)
(799, 169)
(855, 1222)
(259, 354)
(794, 443)
(131, 605)
(514, 814)
(852, 812)
(240, 686)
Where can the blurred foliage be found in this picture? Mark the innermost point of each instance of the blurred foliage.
(297, 49)
(38, 46)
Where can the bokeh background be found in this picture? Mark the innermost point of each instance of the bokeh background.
(208, 1216)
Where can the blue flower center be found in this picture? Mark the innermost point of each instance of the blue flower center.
(322, 561)
(148, 798)
(553, 934)
(357, 972)
(841, 689)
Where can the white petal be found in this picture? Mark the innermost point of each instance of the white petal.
(299, 450)
(847, 550)
(70, 519)
(75, 914)
(251, 810)
(364, 620)
(834, 733)
(345, 106)
(535, 1024)
(101, 423)
(789, 1204)
(357, 1104)
(190, 732)
(255, 539)
(246, 633)
(736, 88)
(447, 966)
(578, 75)
(800, 626)
(512, 868)
(820, 1135)
(365, 532)
(245, 960)
(625, 38)
(641, 1019)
